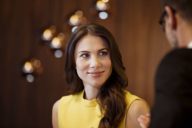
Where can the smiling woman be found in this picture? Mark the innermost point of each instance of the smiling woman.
(96, 75)
(93, 63)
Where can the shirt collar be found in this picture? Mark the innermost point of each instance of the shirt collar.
(189, 45)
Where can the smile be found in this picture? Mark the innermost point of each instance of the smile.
(95, 73)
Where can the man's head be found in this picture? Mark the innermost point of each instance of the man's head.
(183, 7)
(176, 16)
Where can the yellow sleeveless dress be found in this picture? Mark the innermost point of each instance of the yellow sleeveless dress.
(76, 112)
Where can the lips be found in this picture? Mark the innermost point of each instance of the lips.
(97, 73)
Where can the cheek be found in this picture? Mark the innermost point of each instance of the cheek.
(79, 70)
(80, 66)
(108, 64)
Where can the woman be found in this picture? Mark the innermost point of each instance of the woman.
(97, 79)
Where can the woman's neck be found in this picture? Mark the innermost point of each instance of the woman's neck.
(90, 92)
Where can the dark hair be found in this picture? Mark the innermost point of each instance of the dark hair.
(111, 96)
(184, 7)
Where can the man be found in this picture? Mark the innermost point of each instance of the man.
(173, 84)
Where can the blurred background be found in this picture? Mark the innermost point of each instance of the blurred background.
(33, 34)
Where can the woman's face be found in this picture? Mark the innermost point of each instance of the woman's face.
(93, 63)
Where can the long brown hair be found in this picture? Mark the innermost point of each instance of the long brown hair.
(111, 96)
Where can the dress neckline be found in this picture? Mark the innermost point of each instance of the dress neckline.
(90, 103)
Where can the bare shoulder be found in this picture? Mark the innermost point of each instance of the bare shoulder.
(55, 105)
(137, 108)
(55, 114)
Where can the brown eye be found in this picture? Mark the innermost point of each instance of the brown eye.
(104, 53)
(85, 55)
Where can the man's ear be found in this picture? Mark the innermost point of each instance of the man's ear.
(170, 17)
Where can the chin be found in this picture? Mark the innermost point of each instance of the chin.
(97, 84)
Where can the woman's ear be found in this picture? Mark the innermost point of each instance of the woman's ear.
(170, 18)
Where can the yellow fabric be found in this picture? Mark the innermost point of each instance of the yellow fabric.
(76, 112)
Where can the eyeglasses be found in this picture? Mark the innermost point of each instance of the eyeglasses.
(162, 20)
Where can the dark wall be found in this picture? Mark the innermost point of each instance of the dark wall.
(28, 105)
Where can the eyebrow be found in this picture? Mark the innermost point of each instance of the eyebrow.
(84, 51)
(104, 49)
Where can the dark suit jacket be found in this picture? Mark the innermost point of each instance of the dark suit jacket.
(172, 106)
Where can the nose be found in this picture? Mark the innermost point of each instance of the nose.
(95, 62)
